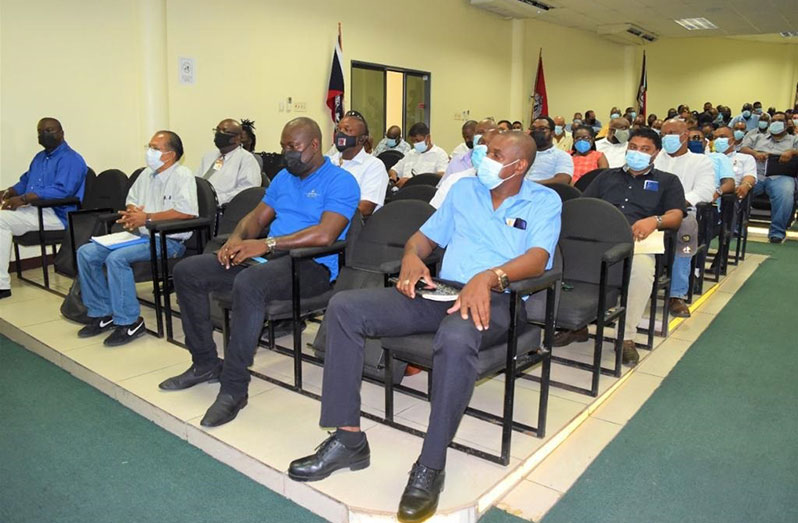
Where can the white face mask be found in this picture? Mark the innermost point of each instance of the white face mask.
(489, 173)
(154, 161)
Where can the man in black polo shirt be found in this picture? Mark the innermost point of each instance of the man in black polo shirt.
(651, 200)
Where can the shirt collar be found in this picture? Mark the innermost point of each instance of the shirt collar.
(644, 173)
(358, 158)
(58, 150)
(229, 155)
(164, 175)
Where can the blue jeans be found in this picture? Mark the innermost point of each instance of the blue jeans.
(680, 278)
(115, 295)
(781, 191)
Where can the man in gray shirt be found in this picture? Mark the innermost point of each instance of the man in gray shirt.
(780, 189)
(229, 167)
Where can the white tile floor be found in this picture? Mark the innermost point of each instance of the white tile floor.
(279, 425)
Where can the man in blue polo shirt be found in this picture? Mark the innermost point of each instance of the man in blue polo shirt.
(56, 172)
(496, 228)
(308, 204)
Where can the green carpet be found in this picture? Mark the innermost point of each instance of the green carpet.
(68, 453)
(718, 441)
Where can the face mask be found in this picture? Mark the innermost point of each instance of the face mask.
(540, 139)
(615, 115)
(221, 140)
(776, 127)
(671, 143)
(633, 115)
(154, 161)
(558, 130)
(582, 146)
(739, 135)
(420, 147)
(721, 145)
(478, 154)
(622, 135)
(658, 131)
(795, 122)
(757, 110)
(48, 141)
(343, 141)
(294, 163)
(469, 144)
(763, 125)
(637, 161)
(477, 138)
(695, 146)
(746, 114)
(392, 142)
(576, 123)
(489, 173)
(719, 118)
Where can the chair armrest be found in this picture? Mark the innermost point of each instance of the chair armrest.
(391, 267)
(617, 253)
(175, 226)
(108, 217)
(55, 202)
(87, 212)
(533, 285)
(314, 252)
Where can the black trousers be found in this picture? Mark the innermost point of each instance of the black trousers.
(353, 316)
(253, 288)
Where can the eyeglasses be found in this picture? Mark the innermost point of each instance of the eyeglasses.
(217, 130)
(355, 114)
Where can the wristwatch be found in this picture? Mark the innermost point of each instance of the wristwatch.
(659, 222)
(271, 243)
(148, 220)
(504, 281)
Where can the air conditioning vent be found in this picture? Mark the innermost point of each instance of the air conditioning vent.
(626, 34)
(513, 8)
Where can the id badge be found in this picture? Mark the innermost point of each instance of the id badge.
(651, 185)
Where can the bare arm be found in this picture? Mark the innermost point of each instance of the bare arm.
(602, 162)
(366, 208)
(557, 178)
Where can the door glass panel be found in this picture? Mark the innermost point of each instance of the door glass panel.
(416, 99)
(368, 98)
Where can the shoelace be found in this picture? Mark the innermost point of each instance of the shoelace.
(325, 446)
(422, 477)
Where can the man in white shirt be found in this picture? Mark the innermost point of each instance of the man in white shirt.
(697, 174)
(743, 165)
(480, 151)
(165, 190)
(392, 142)
(551, 165)
(351, 156)
(614, 145)
(469, 129)
(425, 157)
(230, 168)
(562, 138)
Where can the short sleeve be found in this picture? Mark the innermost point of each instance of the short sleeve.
(749, 141)
(134, 194)
(544, 226)
(565, 164)
(399, 167)
(375, 183)
(442, 162)
(275, 189)
(673, 195)
(343, 195)
(185, 198)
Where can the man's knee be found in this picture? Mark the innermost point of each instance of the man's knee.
(191, 270)
(342, 305)
(457, 337)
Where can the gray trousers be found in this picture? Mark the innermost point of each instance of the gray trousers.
(352, 316)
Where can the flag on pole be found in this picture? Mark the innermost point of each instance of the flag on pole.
(642, 89)
(795, 105)
(540, 107)
(335, 91)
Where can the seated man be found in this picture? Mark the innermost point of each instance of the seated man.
(743, 165)
(392, 142)
(479, 153)
(468, 130)
(724, 171)
(614, 145)
(650, 200)
(308, 204)
(562, 137)
(615, 113)
(748, 117)
(552, 165)
(56, 172)
(230, 168)
(369, 172)
(423, 158)
(505, 125)
(739, 133)
(780, 189)
(482, 252)
(518, 126)
(466, 161)
(697, 174)
(165, 190)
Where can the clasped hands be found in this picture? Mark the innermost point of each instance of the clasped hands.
(235, 251)
(12, 203)
(132, 217)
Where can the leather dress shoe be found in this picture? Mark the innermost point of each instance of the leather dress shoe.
(224, 409)
(563, 338)
(679, 308)
(330, 456)
(192, 377)
(629, 356)
(420, 498)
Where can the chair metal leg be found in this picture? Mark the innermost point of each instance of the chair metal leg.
(18, 261)
(225, 330)
(295, 320)
(388, 387)
(509, 380)
(167, 302)
(543, 403)
(43, 249)
(156, 285)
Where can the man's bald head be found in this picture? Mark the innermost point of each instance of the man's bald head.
(394, 132)
(485, 125)
(51, 123)
(488, 136)
(230, 126)
(674, 126)
(619, 123)
(559, 120)
(507, 147)
(303, 127)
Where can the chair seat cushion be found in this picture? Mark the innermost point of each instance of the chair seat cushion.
(417, 349)
(279, 309)
(577, 306)
(31, 239)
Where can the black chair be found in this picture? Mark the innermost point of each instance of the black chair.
(663, 272)
(586, 179)
(597, 247)
(564, 191)
(44, 238)
(740, 230)
(423, 179)
(389, 158)
(273, 163)
(134, 176)
(522, 350)
(708, 217)
(425, 193)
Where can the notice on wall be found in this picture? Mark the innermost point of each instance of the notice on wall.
(188, 71)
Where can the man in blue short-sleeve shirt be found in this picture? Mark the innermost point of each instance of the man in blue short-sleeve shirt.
(309, 204)
(496, 228)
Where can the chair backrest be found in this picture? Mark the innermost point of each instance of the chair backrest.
(133, 176)
(589, 227)
(207, 203)
(264, 180)
(90, 178)
(566, 192)
(415, 192)
(107, 191)
(273, 163)
(390, 157)
(587, 178)
(424, 179)
(241, 204)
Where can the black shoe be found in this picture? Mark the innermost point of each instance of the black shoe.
(774, 239)
(224, 409)
(191, 377)
(96, 326)
(330, 456)
(629, 356)
(125, 333)
(420, 498)
(5, 293)
(563, 338)
(285, 328)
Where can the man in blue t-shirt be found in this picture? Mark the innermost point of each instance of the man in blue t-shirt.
(496, 228)
(308, 204)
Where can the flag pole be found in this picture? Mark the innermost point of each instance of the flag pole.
(534, 86)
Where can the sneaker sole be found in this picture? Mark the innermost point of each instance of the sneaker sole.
(360, 465)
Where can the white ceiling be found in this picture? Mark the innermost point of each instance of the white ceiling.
(733, 17)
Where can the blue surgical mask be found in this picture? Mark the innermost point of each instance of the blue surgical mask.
(392, 142)
(721, 145)
(615, 115)
(758, 110)
(637, 161)
(776, 127)
(582, 146)
(478, 154)
(763, 125)
(746, 114)
(739, 135)
(420, 147)
(489, 173)
(633, 115)
(671, 143)
(558, 130)
(477, 138)
(154, 161)
(695, 146)
(719, 118)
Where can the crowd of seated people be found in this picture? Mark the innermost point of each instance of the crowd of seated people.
(655, 171)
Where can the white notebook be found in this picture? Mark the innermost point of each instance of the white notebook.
(119, 239)
(654, 244)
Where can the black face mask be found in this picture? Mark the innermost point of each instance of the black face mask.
(540, 138)
(48, 141)
(343, 141)
(294, 163)
(222, 140)
(470, 144)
